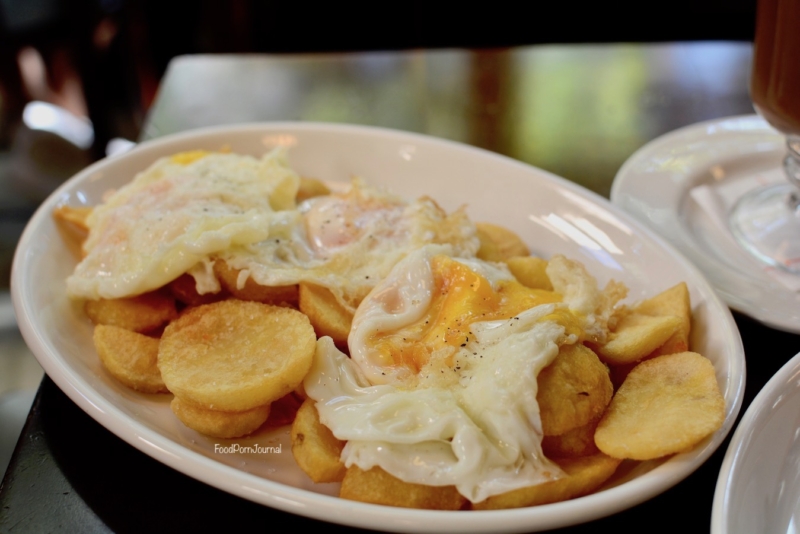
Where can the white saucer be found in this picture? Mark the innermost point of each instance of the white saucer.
(726, 156)
(759, 482)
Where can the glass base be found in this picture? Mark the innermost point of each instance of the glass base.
(766, 222)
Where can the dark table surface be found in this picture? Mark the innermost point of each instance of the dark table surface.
(578, 111)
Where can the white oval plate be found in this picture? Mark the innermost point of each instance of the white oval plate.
(758, 489)
(551, 214)
(655, 184)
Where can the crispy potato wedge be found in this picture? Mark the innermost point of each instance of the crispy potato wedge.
(666, 405)
(315, 448)
(572, 443)
(530, 271)
(636, 336)
(129, 357)
(219, 424)
(573, 390)
(250, 290)
(376, 486)
(143, 313)
(583, 476)
(674, 301)
(310, 188)
(328, 317)
(499, 243)
(235, 355)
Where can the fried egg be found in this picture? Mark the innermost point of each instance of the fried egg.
(348, 242)
(441, 385)
(173, 216)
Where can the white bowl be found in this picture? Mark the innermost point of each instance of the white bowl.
(758, 489)
(549, 213)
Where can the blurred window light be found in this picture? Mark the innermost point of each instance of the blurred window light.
(54, 119)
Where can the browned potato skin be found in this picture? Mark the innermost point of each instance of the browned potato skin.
(275, 295)
(129, 357)
(316, 450)
(573, 390)
(376, 486)
(219, 424)
(142, 314)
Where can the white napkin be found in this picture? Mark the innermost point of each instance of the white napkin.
(717, 199)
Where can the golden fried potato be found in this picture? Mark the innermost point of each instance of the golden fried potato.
(71, 223)
(235, 355)
(376, 486)
(573, 390)
(184, 289)
(636, 336)
(499, 243)
(129, 357)
(572, 443)
(530, 271)
(674, 301)
(143, 313)
(218, 424)
(310, 188)
(315, 448)
(276, 295)
(666, 405)
(326, 314)
(583, 476)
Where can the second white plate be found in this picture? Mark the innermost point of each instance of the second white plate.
(725, 156)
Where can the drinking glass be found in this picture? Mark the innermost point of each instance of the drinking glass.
(766, 221)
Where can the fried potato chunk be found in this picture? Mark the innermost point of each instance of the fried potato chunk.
(573, 390)
(316, 450)
(235, 355)
(250, 290)
(71, 222)
(328, 317)
(674, 301)
(310, 188)
(376, 486)
(143, 313)
(129, 357)
(218, 424)
(498, 243)
(572, 443)
(530, 271)
(184, 289)
(666, 405)
(636, 336)
(583, 476)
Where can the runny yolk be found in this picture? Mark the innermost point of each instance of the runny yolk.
(462, 297)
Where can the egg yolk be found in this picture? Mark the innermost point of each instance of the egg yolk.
(185, 158)
(462, 297)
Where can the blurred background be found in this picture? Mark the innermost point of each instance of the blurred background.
(78, 78)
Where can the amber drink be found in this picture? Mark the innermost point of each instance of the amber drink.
(766, 221)
(775, 85)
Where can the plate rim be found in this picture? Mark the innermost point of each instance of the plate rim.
(626, 176)
(734, 455)
(288, 498)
